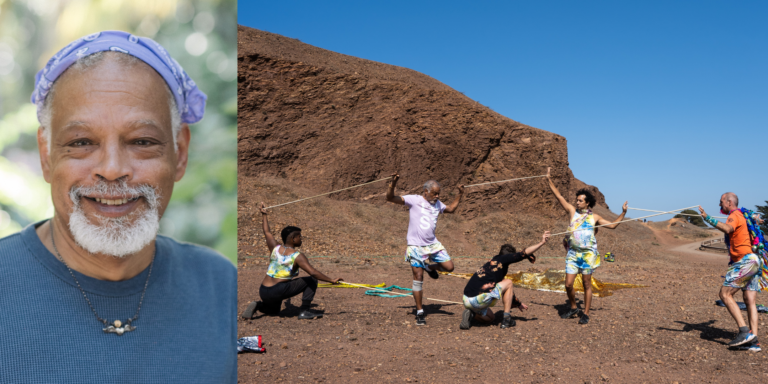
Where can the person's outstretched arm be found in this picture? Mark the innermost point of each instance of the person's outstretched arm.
(303, 263)
(722, 227)
(391, 197)
(455, 204)
(566, 205)
(601, 221)
(533, 248)
(271, 242)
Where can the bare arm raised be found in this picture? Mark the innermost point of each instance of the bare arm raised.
(533, 248)
(601, 221)
(391, 191)
(271, 242)
(568, 207)
(455, 204)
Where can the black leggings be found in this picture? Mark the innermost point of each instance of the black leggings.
(273, 296)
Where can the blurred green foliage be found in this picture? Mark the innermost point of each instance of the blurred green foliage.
(200, 34)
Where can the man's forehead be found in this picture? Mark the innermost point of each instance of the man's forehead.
(133, 93)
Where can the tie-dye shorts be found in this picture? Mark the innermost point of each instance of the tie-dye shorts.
(480, 303)
(581, 261)
(745, 273)
(418, 255)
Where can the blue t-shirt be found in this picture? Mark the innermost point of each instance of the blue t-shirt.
(186, 331)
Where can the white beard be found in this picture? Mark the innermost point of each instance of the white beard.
(121, 236)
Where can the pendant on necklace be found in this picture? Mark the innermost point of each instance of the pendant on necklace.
(118, 328)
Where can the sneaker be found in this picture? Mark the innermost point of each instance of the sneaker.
(584, 319)
(571, 313)
(754, 347)
(309, 314)
(742, 338)
(466, 319)
(420, 319)
(508, 322)
(250, 310)
(433, 274)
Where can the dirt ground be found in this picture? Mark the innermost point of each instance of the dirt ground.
(670, 331)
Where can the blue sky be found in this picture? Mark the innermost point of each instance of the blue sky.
(663, 103)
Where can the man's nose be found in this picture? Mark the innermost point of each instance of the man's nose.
(113, 162)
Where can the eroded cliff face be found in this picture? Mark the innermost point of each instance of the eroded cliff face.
(328, 121)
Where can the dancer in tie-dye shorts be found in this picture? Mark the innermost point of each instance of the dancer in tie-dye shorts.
(582, 254)
(488, 285)
(423, 247)
(744, 269)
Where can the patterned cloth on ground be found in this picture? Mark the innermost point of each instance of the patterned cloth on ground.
(250, 344)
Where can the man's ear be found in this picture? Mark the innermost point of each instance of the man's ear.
(182, 154)
(45, 155)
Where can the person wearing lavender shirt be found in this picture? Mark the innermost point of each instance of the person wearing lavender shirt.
(94, 294)
(423, 246)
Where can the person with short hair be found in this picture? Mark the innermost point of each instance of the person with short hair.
(488, 285)
(423, 246)
(744, 270)
(582, 256)
(94, 294)
(282, 281)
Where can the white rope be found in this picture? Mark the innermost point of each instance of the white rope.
(597, 226)
(328, 193)
(504, 181)
(681, 214)
(397, 293)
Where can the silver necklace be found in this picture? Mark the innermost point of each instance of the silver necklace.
(117, 326)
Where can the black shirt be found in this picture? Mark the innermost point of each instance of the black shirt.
(491, 272)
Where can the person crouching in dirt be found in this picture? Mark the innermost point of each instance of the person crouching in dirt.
(422, 244)
(744, 270)
(281, 282)
(582, 256)
(488, 285)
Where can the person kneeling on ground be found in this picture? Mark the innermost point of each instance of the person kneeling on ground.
(280, 282)
(487, 286)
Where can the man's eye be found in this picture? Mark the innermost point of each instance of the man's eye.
(143, 142)
(80, 143)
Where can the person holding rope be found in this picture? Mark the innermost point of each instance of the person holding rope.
(582, 256)
(281, 282)
(422, 244)
(744, 270)
(488, 285)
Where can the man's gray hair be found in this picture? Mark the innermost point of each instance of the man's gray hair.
(431, 184)
(91, 61)
(732, 198)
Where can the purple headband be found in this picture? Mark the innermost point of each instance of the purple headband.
(190, 101)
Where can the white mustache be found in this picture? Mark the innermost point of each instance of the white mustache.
(121, 189)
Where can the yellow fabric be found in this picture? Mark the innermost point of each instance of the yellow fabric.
(553, 280)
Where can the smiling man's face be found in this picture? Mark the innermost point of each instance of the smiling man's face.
(112, 162)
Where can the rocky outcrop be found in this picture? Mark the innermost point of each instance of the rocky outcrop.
(329, 121)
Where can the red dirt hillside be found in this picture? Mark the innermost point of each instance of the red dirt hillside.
(329, 121)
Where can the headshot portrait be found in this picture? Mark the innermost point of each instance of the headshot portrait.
(117, 192)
